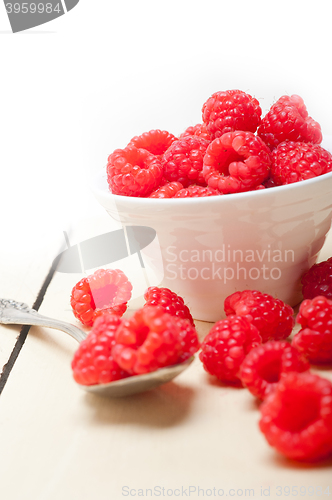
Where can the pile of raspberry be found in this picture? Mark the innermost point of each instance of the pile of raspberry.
(233, 150)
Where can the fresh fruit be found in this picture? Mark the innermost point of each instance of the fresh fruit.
(315, 338)
(231, 110)
(153, 339)
(168, 190)
(318, 280)
(133, 172)
(263, 367)
(199, 130)
(296, 418)
(288, 120)
(93, 362)
(154, 141)
(105, 291)
(272, 317)
(183, 161)
(237, 161)
(226, 345)
(170, 302)
(194, 191)
(298, 161)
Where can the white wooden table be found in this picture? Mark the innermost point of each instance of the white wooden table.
(189, 437)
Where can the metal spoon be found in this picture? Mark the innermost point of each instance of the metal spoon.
(18, 313)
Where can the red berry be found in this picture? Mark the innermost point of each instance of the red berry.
(168, 190)
(298, 161)
(183, 161)
(231, 110)
(237, 161)
(133, 172)
(93, 362)
(200, 130)
(153, 339)
(318, 280)
(170, 302)
(105, 291)
(296, 418)
(266, 364)
(154, 141)
(226, 345)
(315, 338)
(272, 317)
(194, 191)
(288, 120)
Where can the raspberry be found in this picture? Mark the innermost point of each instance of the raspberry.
(183, 161)
(231, 110)
(105, 291)
(168, 190)
(170, 302)
(318, 280)
(298, 161)
(296, 418)
(315, 338)
(266, 364)
(194, 191)
(133, 172)
(199, 130)
(226, 345)
(272, 317)
(152, 339)
(237, 161)
(93, 362)
(288, 120)
(154, 141)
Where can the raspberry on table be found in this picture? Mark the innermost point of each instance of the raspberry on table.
(199, 130)
(226, 346)
(171, 302)
(183, 161)
(231, 110)
(288, 120)
(153, 339)
(154, 141)
(318, 280)
(314, 340)
(263, 367)
(298, 161)
(235, 162)
(272, 317)
(296, 418)
(93, 362)
(195, 191)
(105, 291)
(133, 172)
(168, 190)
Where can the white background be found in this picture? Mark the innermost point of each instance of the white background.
(75, 89)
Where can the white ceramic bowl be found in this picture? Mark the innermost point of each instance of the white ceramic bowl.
(211, 247)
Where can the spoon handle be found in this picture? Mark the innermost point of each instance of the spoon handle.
(18, 313)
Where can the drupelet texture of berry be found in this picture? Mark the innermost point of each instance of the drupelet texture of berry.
(93, 362)
(231, 110)
(168, 190)
(199, 130)
(318, 280)
(264, 366)
(183, 161)
(272, 317)
(194, 191)
(314, 340)
(153, 339)
(235, 162)
(170, 302)
(298, 161)
(226, 346)
(288, 120)
(133, 172)
(105, 291)
(296, 418)
(154, 141)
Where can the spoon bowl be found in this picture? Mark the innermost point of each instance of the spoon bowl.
(19, 313)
